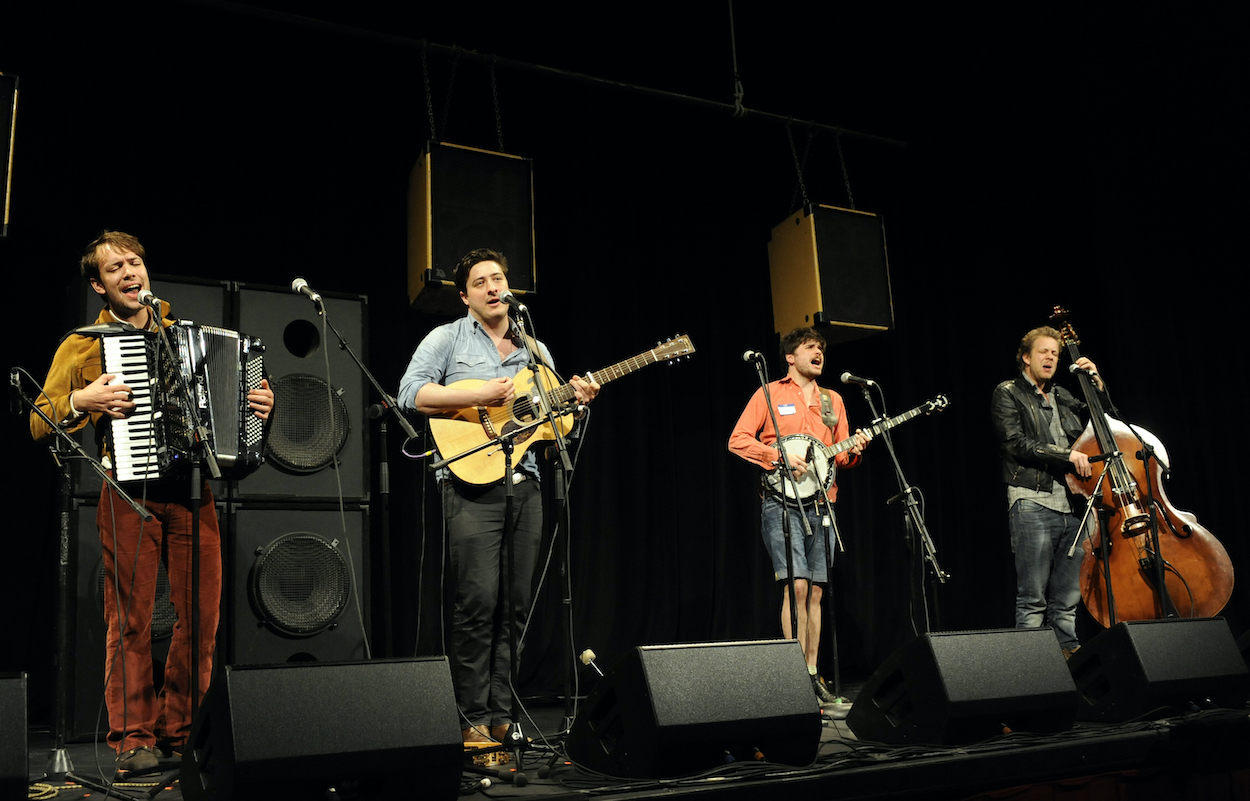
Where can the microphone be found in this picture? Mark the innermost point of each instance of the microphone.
(507, 297)
(752, 356)
(1072, 368)
(847, 378)
(301, 286)
(148, 299)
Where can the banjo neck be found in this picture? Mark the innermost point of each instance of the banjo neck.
(929, 407)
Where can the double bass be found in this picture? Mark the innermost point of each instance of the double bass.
(1124, 574)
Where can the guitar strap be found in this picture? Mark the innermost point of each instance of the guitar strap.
(537, 351)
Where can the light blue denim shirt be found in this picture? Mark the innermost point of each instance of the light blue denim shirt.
(458, 350)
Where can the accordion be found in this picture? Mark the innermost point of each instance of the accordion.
(218, 366)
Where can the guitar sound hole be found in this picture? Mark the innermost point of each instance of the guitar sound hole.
(523, 410)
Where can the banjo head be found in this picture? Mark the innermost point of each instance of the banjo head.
(820, 468)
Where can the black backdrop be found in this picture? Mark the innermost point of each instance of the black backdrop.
(1095, 163)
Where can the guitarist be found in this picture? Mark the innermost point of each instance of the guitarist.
(482, 345)
(801, 407)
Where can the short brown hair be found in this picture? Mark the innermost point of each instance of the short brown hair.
(1026, 343)
(120, 241)
(791, 341)
(476, 256)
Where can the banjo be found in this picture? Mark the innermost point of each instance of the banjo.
(819, 457)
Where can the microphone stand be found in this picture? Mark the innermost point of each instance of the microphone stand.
(515, 737)
(1166, 604)
(1082, 532)
(505, 441)
(201, 451)
(913, 520)
(787, 480)
(60, 766)
(376, 412)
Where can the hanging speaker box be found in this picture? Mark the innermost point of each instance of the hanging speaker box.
(829, 271)
(461, 198)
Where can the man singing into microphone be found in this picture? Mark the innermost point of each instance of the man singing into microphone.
(76, 391)
(801, 407)
(485, 346)
(1036, 422)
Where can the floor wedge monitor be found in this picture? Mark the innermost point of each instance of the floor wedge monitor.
(956, 687)
(1159, 668)
(326, 730)
(669, 710)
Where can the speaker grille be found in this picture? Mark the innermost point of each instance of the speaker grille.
(300, 584)
(310, 424)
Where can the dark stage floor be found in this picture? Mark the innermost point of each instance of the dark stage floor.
(1199, 756)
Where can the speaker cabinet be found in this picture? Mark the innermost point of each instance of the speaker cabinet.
(14, 764)
(1161, 667)
(297, 592)
(829, 270)
(459, 199)
(951, 688)
(202, 302)
(675, 709)
(318, 435)
(353, 730)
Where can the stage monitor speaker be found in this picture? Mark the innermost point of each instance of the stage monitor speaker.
(669, 710)
(8, 129)
(203, 302)
(318, 432)
(460, 199)
(1159, 667)
(14, 764)
(829, 270)
(950, 688)
(383, 729)
(297, 586)
(87, 719)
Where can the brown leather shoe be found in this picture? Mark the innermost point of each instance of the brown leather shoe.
(477, 734)
(498, 733)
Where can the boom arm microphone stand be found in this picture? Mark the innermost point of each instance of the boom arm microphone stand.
(914, 519)
(378, 411)
(60, 767)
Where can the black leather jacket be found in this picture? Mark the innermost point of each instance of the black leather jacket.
(1030, 457)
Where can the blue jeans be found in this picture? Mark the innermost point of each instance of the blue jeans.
(808, 552)
(1048, 583)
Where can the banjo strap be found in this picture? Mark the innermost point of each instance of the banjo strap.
(827, 414)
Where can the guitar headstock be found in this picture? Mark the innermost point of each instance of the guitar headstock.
(673, 348)
(936, 405)
(1060, 318)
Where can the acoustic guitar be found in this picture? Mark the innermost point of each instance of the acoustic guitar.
(465, 429)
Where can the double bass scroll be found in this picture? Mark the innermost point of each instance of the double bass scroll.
(1191, 564)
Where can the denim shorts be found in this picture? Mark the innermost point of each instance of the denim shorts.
(808, 551)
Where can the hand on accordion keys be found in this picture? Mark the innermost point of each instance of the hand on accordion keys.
(106, 396)
(261, 399)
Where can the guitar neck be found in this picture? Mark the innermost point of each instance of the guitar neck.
(565, 393)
